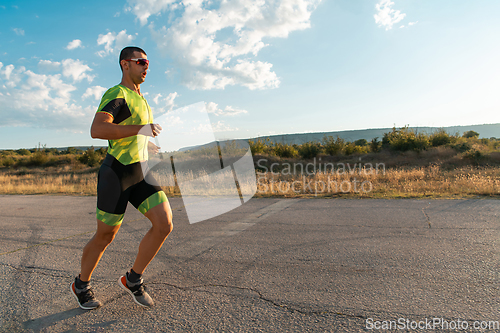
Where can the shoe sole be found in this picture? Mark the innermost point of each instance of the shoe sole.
(123, 283)
(73, 291)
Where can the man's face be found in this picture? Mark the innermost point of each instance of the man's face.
(137, 71)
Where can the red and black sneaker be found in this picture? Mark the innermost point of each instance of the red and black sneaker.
(137, 291)
(85, 297)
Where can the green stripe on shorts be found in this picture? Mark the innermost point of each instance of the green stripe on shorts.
(108, 218)
(152, 201)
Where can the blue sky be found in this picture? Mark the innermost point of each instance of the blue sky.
(262, 67)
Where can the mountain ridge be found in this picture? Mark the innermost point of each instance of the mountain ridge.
(484, 130)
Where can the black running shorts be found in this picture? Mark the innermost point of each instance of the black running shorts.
(119, 184)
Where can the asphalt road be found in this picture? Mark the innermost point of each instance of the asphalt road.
(272, 265)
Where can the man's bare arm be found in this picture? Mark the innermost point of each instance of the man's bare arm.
(104, 128)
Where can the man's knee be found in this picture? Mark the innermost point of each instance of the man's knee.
(161, 218)
(165, 227)
(107, 238)
(105, 233)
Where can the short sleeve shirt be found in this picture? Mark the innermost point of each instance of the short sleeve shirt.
(127, 108)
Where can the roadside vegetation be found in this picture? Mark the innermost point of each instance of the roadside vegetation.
(401, 164)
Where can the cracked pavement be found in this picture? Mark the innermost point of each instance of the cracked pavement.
(271, 265)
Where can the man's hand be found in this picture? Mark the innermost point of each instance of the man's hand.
(152, 130)
(104, 128)
(152, 148)
(155, 130)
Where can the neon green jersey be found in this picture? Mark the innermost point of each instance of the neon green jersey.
(127, 108)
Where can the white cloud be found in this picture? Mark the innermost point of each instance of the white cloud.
(18, 31)
(212, 47)
(143, 9)
(76, 69)
(220, 126)
(76, 43)
(94, 91)
(8, 71)
(164, 104)
(32, 99)
(48, 66)
(386, 16)
(114, 42)
(228, 110)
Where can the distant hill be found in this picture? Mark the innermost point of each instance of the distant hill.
(485, 131)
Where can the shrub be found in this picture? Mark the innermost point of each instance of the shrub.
(38, 158)
(361, 142)
(333, 146)
(309, 149)
(375, 145)
(462, 145)
(23, 152)
(7, 161)
(471, 134)
(485, 141)
(440, 138)
(71, 150)
(474, 155)
(259, 146)
(284, 150)
(405, 139)
(91, 157)
(349, 148)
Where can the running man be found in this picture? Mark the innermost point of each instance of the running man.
(125, 120)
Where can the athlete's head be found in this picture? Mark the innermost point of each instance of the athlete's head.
(133, 62)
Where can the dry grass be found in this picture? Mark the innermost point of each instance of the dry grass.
(437, 173)
(428, 182)
(48, 183)
(421, 182)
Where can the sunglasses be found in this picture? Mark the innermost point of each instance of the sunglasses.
(139, 61)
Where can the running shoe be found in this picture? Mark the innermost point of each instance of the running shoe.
(85, 297)
(137, 290)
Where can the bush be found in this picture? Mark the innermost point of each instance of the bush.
(23, 152)
(475, 156)
(38, 158)
(485, 141)
(333, 146)
(352, 148)
(440, 138)
(283, 150)
(462, 145)
(7, 161)
(70, 151)
(91, 157)
(405, 139)
(375, 145)
(361, 142)
(471, 134)
(309, 150)
(258, 147)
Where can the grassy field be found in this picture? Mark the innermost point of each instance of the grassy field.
(402, 165)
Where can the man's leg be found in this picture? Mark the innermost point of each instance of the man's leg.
(93, 251)
(161, 220)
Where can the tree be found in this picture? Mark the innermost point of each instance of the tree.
(471, 134)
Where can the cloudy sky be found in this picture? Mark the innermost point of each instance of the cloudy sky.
(261, 67)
